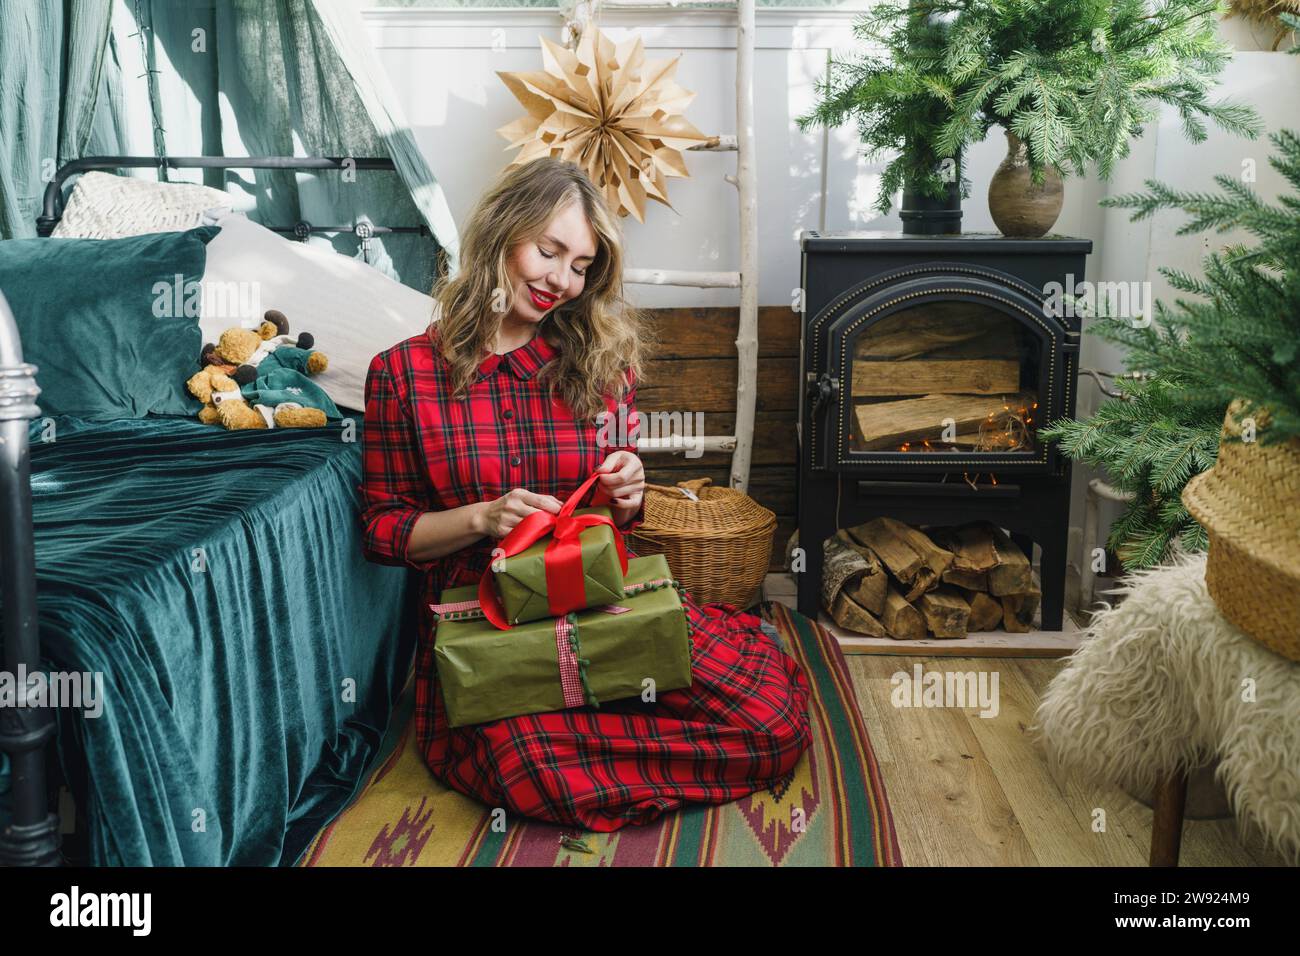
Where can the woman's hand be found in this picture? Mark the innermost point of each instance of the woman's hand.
(622, 477)
(499, 517)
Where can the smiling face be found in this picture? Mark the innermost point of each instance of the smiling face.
(550, 270)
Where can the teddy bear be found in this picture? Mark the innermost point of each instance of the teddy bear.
(257, 378)
(224, 403)
(247, 350)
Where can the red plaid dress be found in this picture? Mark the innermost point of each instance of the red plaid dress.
(740, 726)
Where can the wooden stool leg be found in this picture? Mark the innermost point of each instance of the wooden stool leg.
(1167, 822)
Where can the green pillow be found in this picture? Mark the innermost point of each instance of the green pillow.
(111, 324)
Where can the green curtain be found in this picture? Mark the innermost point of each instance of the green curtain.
(57, 98)
(284, 78)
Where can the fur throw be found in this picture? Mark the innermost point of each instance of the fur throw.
(1163, 681)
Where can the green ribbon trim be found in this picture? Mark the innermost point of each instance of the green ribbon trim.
(460, 615)
(583, 663)
(690, 628)
(628, 590)
(633, 589)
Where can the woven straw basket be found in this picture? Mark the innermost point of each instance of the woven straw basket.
(1249, 502)
(718, 545)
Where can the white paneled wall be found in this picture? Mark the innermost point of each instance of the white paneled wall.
(443, 65)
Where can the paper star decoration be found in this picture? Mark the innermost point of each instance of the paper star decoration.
(607, 108)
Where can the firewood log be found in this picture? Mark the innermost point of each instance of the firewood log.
(943, 328)
(1018, 610)
(902, 621)
(853, 569)
(1013, 574)
(946, 613)
(848, 613)
(934, 559)
(894, 552)
(911, 557)
(973, 554)
(890, 424)
(970, 580)
(976, 376)
(867, 585)
(973, 547)
(985, 612)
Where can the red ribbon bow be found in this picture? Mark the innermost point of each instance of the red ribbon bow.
(565, 589)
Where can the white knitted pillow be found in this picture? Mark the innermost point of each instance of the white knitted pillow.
(104, 206)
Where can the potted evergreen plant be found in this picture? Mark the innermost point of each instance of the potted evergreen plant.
(1242, 343)
(1070, 82)
(1230, 356)
(896, 93)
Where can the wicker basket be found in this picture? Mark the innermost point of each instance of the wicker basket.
(718, 541)
(1249, 502)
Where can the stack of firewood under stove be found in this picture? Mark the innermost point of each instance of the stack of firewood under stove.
(889, 579)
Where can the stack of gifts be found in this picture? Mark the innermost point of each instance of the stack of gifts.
(561, 619)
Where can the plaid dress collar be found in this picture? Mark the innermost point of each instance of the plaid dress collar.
(523, 362)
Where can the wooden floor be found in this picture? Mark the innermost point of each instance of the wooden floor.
(973, 791)
(967, 790)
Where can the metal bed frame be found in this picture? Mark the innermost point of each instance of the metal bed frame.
(32, 836)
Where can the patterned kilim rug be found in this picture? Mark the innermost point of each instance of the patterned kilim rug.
(832, 812)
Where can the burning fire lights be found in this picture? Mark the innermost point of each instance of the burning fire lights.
(1008, 431)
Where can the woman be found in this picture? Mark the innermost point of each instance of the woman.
(491, 415)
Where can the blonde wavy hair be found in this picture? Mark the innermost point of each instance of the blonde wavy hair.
(600, 337)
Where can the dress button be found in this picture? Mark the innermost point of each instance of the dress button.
(508, 413)
(515, 460)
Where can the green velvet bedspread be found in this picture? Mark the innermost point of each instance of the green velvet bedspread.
(250, 654)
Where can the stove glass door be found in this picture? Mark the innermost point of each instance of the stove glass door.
(944, 376)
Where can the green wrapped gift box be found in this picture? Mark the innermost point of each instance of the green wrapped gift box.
(487, 674)
(521, 578)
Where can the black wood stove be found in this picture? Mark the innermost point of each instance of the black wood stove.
(929, 363)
